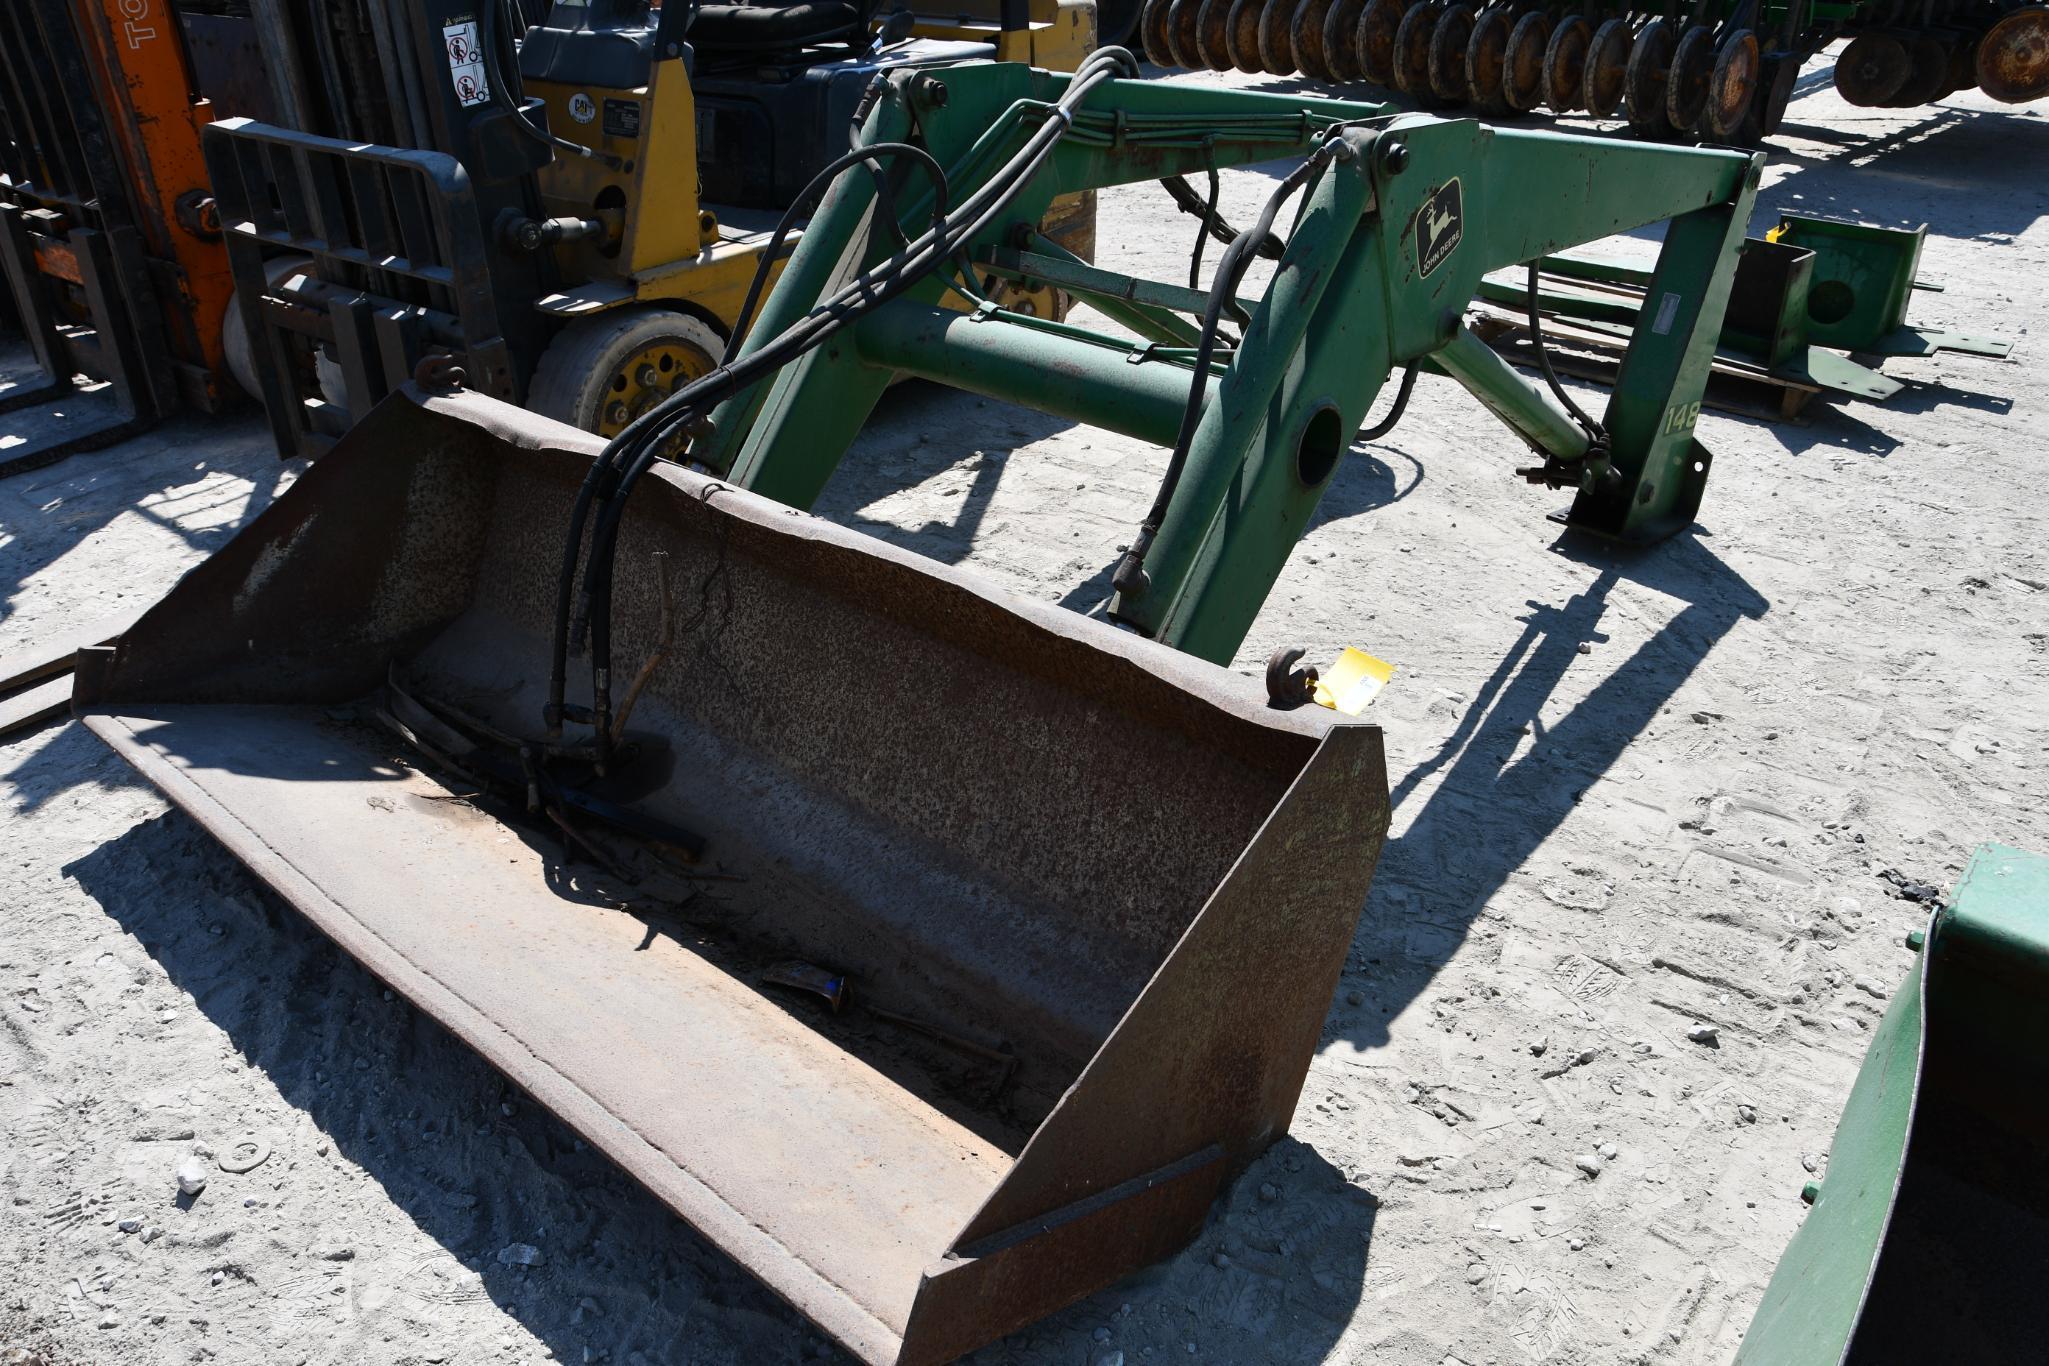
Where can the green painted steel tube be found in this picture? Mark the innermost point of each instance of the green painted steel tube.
(1054, 372)
(1506, 394)
(1566, 304)
(1141, 305)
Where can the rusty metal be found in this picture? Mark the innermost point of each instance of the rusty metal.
(1608, 67)
(1276, 43)
(1213, 34)
(1373, 40)
(1686, 85)
(1565, 63)
(1241, 35)
(1732, 89)
(1448, 42)
(439, 372)
(1522, 83)
(1152, 32)
(1182, 38)
(1871, 70)
(1487, 60)
(1963, 65)
(1305, 39)
(1340, 49)
(2012, 61)
(1286, 685)
(1643, 85)
(35, 682)
(1927, 74)
(1412, 48)
(1116, 858)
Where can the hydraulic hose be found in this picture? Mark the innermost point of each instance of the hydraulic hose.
(1597, 435)
(1395, 410)
(1130, 578)
(603, 478)
(630, 454)
(938, 244)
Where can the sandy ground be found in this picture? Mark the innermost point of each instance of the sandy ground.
(1633, 794)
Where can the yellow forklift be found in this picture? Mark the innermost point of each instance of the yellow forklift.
(566, 201)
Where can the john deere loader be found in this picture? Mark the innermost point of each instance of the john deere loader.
(938, 954)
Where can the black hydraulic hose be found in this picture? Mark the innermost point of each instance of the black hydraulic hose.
(1129, 578)
(1209, 216)
(1597, 435)
(1003, 188)
(1188, 201)
(808, 197)
(1394, 413)
(502, 98)
(1593, 428)
(603, 477)
(633, 450)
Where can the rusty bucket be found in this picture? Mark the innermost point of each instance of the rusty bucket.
(957, 951)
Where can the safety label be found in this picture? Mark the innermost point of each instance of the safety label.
(622, 119)
(1668, 312)
(466, 61)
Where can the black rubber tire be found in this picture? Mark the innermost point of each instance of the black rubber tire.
(1116, 20)
(573, 378)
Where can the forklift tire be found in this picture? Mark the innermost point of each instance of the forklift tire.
(600, 373)
(1115, 21)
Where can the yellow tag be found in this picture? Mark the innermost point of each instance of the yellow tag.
(1776, 233)
(1351, 683)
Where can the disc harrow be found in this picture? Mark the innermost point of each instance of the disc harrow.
(1708, 71)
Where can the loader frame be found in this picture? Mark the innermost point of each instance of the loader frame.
(1393, 239)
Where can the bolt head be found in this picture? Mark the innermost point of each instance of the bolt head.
(1394, 157)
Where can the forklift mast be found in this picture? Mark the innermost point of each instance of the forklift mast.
(421, 76)
(110, 248)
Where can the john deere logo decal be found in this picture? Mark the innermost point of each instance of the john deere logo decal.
(1438, 226)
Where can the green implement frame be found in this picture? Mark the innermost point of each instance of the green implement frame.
(1807, 290)
(1928, 1237)
(1401, 217)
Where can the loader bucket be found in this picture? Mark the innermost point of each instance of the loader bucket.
(1930, 1230)
(1070, 906)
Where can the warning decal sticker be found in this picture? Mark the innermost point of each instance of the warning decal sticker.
(466, 61)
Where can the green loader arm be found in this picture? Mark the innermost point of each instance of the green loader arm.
(1403, 217)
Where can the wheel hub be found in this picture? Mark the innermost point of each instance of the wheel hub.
(644, 379)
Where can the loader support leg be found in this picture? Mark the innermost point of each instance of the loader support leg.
(1659, 469)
